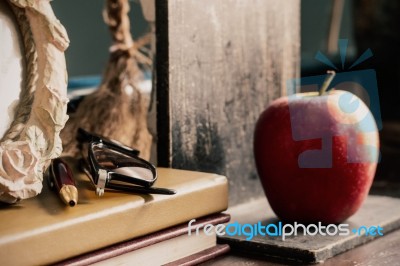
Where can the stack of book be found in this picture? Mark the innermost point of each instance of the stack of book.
(118, 228)
(172, 246)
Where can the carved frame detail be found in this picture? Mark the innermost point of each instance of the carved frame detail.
(33, 138)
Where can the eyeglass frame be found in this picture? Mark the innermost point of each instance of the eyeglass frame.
(104, 176)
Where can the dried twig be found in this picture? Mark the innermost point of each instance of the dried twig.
(117, 110)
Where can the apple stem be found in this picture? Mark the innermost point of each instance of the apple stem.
(330, 74)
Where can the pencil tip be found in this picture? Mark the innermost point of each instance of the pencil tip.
(69, 194)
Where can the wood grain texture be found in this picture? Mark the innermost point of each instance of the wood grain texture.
(219, 64)
(383, 251)
(377, 210)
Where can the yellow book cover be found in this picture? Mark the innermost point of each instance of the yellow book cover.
(44, 230)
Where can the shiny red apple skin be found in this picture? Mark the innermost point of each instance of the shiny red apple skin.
(310, 195)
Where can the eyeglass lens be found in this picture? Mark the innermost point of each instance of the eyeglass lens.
(120, 163)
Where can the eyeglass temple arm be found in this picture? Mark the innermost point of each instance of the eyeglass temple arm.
(130, 180)
(142, 190)
(85, 136)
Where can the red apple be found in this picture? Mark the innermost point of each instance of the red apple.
(316, 155)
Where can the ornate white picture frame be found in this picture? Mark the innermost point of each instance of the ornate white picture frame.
(32, 139)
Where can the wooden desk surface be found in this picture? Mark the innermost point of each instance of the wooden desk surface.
(381, 251)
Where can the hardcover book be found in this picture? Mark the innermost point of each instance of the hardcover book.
(171, 245)
(44, 230)
(201, 256)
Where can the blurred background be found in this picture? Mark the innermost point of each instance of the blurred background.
(365, 24)
(90, 39)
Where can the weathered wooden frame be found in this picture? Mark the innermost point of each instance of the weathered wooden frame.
(216, 72)
(32, 140)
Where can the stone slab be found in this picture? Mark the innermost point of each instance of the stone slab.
(376, 211)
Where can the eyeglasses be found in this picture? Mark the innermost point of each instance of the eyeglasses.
(110, 164)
